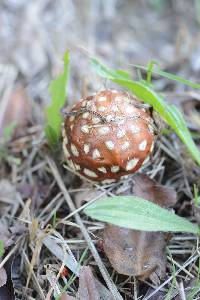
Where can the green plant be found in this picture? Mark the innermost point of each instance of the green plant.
(151, 70)
(1, 248)
(137, 213)
(170, 113)
(58, 92)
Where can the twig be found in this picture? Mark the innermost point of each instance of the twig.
(6, 258)
(97, 258)
(181, 291)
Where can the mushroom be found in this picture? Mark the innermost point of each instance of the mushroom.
(107, 136)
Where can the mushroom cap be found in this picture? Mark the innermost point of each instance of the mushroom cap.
(107, 136)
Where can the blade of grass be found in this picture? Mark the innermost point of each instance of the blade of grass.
(58, 92)
(150, 70)
(167, 75)
(169, 113)
(1, 248)
(137, 213)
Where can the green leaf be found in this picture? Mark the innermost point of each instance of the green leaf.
(58, 92)
(137, 213)
(169, 113)
(169, 75)
(51, 135)
(1, 248)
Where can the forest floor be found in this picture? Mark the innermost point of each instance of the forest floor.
(46, 236)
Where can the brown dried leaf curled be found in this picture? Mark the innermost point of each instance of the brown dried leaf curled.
(140, 253)
(17, 110)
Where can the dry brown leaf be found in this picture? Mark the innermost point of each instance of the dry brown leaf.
(65, 296)
(90, 288)
(87, 287)
(85, 196)
(140, 253)
(149, 189)
(17, 110)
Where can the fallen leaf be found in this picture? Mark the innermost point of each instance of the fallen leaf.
(147, 188)
(87, 287)
(91, 288)
(17, 110)
(85, 196)
(140, 253)
(65, 296)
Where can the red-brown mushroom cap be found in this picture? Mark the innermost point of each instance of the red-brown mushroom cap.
(107, 136)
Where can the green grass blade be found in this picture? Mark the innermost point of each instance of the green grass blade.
(169, 113)
(150, 70)
(58, 92)
(137, 213)
(170, 76)
(1, 248)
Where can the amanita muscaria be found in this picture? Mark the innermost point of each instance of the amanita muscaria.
(107, 136)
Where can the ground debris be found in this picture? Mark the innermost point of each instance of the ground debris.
(3, 277)
(6, 282)
(140, 253)
(66, 296)
(87, 287)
